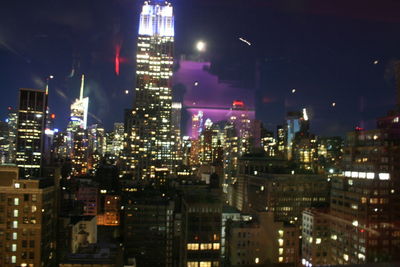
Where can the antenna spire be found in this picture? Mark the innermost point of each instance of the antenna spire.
(82, 86)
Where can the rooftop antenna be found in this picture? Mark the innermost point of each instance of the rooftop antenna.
(82, 86)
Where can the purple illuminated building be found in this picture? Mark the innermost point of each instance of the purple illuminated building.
(205, 93)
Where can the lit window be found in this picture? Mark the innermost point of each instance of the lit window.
(216, 246)
(15, 236)
(205, 264)
(14, 247)
(206, 246)
(34, 208)
(280, 259)
(280, 251)
(192, 264)
(16, 201)
(280, 241)
(193, 246)
(256, 260)
(280, 233)
(318, 241)
(13, 259)
(384, 176)
(370, 175)
(15, 224)
(345, 257)
(15, 213)
(16, 185)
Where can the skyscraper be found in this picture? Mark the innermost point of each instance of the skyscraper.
(30, 131)
(151, 135)
(79, 110)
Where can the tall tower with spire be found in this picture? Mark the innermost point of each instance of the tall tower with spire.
(151, 136)
(77, 139)
(79, 110)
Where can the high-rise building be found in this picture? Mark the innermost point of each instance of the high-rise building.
(242, 121)
(197, 124)
(79, 152)
(151, 139)
(295, 122)
(176, 131)
(79, 110)
(31, 131)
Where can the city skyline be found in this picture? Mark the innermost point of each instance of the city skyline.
(290, 69)
(262, 133)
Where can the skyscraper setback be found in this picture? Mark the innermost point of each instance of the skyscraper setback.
(151, 136)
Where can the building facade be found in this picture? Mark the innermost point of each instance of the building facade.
(151, 139)
(30, 131)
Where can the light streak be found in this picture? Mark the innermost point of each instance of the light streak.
(244, 41)
(117, 60)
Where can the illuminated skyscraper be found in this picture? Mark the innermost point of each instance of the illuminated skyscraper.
(30, 131)
(77, 139)
(151, 135)
(79, 110)
(296, 122)
(197, 123)
(12, 120)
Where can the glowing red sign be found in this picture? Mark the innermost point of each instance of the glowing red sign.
(238, 103)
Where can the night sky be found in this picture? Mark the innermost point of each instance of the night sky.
(324, 49)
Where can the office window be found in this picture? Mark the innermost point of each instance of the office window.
(16, 201)
(15, 213)
(192, 264)
(13, 259)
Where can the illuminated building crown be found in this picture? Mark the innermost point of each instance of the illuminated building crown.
(157, 19)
